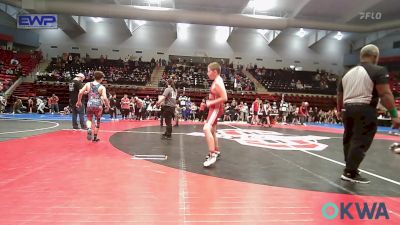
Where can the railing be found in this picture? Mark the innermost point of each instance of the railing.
(10, 90)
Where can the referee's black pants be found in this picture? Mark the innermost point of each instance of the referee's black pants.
(168, 113)
(360, 125)
(162, 116)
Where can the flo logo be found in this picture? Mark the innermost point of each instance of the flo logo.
(270, 139)
(370, 211)
(370, 15)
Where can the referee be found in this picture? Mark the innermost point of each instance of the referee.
(358, 94)
(168, 109)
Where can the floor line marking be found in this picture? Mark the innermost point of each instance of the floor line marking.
(159, 156)
(125, 131)
(340, 163)
(398, 215)
(160, 159)
(183, 187)
(31, 130)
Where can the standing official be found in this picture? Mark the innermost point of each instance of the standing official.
(358, 94)
(169, 99)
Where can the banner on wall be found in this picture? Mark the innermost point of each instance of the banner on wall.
(37, 21)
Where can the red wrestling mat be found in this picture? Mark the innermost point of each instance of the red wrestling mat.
(60, 178)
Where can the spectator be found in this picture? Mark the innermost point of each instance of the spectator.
(113, 106)
(202, 109)
(138, 108)
(299, 85)
(41, 105)
(255, 108)
(14, 61)
(125, 105)
(244, 111)
(303, 113)
(18, 106)
(53, 102)
(67, 110)
(3, 100)
(30, 105)
(74, 88)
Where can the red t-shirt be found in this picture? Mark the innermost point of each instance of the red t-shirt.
(303, 111)
(256, 106)
(54, 99)
(125, 103)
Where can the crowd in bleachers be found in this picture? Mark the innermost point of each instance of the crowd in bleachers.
(194, 75)
(290, 80)
(15, 64)
(129, 71)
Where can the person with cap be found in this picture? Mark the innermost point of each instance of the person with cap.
(359, 91)
(74, 87)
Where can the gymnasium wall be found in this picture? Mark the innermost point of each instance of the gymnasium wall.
(200, 41)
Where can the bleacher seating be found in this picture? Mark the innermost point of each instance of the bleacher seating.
(291, 81)
(115, 71)
(23, 64)
(190, 75)
(394, 82)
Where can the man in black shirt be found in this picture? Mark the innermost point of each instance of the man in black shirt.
(358, 94)
(169, 100)
(113, 106)
(74, 87)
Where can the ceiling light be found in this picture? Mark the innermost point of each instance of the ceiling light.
(183, 25)
(140, 22)
(301, 33)
(262, 31)
(183, 31)
(97, 19)
(262, 5)
(339, 36)
(250, 4)
(222, 34)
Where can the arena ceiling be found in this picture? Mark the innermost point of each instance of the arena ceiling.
(359, 20)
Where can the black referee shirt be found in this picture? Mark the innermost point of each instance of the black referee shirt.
(358, 84)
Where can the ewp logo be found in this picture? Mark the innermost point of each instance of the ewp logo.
(32, 21)
(363, 211)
